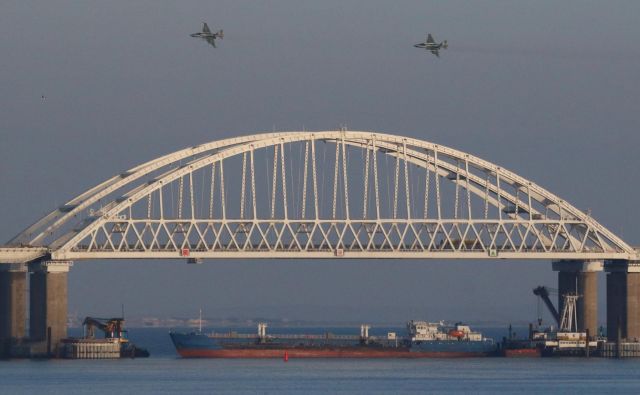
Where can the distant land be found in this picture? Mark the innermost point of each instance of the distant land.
(75, 321)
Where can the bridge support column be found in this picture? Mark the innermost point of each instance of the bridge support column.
(623, 300)
(13, 304)
(580, 277)
(48, 303)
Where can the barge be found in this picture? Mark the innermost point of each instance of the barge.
(115, 343)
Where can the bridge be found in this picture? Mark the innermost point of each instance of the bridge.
(323, 194)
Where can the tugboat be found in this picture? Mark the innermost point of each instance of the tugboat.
(423, 340)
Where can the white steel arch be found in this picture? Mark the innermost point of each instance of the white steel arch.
(366, 195)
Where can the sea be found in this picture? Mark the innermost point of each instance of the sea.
(164, 372)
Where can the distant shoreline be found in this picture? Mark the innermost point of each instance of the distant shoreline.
(173, 322)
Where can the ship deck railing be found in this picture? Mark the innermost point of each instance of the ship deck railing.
(326, 336)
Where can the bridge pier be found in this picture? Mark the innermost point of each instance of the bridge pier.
(623, 300)
(48, 303)
(13, 304)
(580, 277)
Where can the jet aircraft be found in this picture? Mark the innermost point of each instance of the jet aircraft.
(431, 45)
(207, 35)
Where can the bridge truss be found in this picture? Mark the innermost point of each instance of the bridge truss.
(317, 195)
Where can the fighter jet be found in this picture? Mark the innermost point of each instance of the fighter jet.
(206, 34)
(431, 45)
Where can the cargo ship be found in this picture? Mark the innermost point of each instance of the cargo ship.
(423, 340)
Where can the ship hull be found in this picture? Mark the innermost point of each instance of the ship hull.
(323, 353)
(202, 346)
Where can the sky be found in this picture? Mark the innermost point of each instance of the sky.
(547, 89)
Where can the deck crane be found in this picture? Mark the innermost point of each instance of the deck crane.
(112, 328)
(568, 321)
(543, 293)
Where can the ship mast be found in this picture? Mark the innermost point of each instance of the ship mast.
(569, 313)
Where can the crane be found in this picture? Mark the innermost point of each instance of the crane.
(569, 318)
(543, 293)
(113, 328)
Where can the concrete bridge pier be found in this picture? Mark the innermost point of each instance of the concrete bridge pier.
(580, 277)
(48, 303)
(623, 300)
(13, 304)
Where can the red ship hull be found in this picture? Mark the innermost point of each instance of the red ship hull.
(322, 353)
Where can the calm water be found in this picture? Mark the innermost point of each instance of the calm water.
(164, 372)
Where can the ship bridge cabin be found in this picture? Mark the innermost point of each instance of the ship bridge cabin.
(423, 330)
(426, 331)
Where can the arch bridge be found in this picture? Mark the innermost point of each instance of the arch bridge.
(322, 194)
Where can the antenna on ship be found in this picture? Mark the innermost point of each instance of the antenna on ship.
(200, 325)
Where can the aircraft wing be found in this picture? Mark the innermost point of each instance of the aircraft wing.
(205, 28)
(435, 52)
(211, 41)
(430, 39)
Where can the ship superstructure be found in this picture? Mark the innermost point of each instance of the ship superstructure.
(429, 331)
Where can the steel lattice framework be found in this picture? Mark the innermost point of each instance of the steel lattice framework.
(318, 195)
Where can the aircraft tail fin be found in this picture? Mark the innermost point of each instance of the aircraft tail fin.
(445, 45)
(220, 34)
